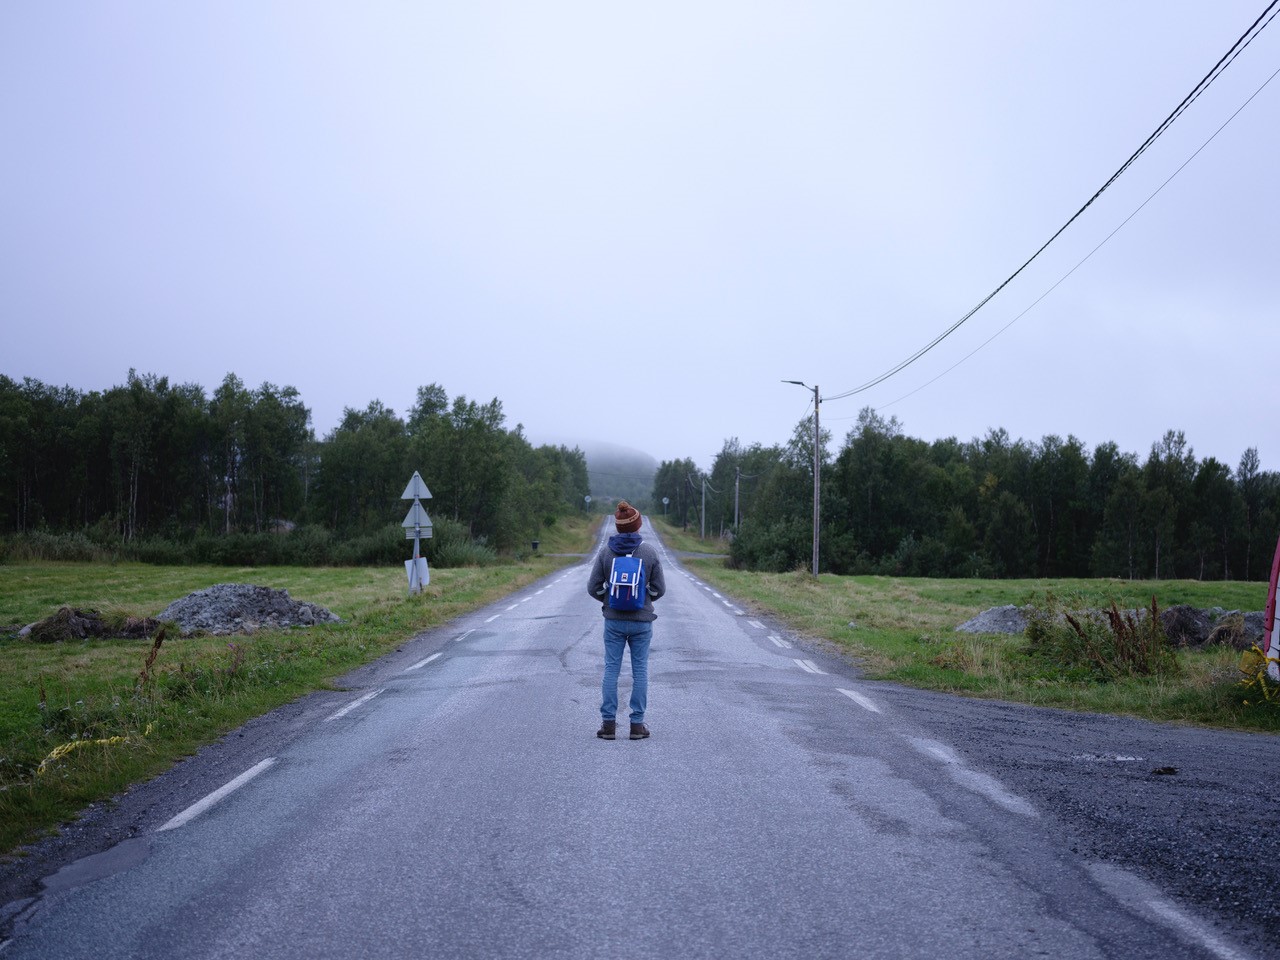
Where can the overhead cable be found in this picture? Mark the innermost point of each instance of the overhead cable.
(1237, 48)
(1090, 254)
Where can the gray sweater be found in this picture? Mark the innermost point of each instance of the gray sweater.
(598, 582)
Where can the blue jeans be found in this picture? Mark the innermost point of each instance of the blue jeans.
(617, 635)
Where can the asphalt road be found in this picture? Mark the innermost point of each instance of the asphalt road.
(455, 802)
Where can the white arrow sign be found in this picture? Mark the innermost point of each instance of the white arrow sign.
(416, 490)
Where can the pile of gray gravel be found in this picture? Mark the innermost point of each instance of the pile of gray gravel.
(1006, 619)
(242, 608)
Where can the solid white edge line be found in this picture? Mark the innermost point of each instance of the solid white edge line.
(1171, 916)
(1144, 897)
(200, 806)
(352, 705)
(866, 703)
(421, 663)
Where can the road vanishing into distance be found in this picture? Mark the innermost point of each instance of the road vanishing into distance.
(453, 801)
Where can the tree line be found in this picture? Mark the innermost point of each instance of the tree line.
(989, 507)
(151, 458)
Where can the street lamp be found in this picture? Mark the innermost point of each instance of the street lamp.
(817, 467)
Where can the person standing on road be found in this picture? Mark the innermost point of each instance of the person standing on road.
(626, 628)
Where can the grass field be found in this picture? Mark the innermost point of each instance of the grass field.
(903, 629)
(81, 720)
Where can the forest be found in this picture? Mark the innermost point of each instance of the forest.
(150, 464)
(988, 507)
(164, 472)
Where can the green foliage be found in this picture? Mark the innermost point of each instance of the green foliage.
(304, 546)
(162, 473)
(451, 546)
(1106, 644)
(992, 506)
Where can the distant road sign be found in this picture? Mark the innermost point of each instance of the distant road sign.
(416, 490)
(416, 519)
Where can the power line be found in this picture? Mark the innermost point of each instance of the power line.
(1034, 303)
(1226, 60)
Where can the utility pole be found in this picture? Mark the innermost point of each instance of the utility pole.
(704, 508)
(817, 466)
(737, 476)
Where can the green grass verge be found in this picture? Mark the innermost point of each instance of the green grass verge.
(688, 541)
(79, 721)
(903, 629)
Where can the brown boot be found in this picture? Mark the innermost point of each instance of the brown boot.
(639, 731)
(608, 729)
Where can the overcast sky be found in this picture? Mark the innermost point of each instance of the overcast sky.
(631, 221)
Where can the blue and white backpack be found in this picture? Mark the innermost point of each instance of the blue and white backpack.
(627, 583)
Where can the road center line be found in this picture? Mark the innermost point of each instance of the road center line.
(865, 702)
(421, 663)
(352, 705)
(200, 806)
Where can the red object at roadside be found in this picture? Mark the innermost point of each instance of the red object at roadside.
(1269, 621)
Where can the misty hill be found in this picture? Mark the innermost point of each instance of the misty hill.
(616, 472)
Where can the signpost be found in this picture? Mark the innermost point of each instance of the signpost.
(416, 526)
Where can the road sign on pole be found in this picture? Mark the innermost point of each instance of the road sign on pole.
(417, 525)
(416, 490)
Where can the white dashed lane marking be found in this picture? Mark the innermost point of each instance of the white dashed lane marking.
(352, 705)
(422, 663)
(200, 806)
